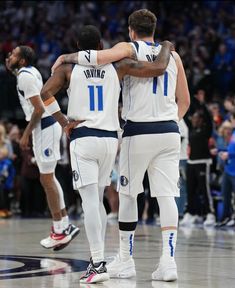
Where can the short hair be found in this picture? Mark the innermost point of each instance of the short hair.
(89, 37)
(28, 54)
(143, 22)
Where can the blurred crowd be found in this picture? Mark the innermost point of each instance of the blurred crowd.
(203, 33)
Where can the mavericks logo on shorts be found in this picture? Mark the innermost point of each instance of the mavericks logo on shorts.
(75, 175)
(124, 181)
(48, 152)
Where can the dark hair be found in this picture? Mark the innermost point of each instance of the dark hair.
(143, 22)
(89, 38)
(28, 54)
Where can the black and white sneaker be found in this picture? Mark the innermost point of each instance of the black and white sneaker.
(73, 231)
(95, 273)
(223, 222)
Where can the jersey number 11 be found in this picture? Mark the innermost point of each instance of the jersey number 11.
(99, 90)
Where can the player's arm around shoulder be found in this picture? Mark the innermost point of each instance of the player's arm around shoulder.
(95, 58)
(145, 68)
(117, 52)
(182, 91)
(56, 82)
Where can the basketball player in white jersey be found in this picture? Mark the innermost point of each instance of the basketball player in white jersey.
(46, 134)
(151, 141)
(93, 98)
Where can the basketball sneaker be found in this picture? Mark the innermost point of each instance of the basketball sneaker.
(95, 273)
(60, 241)
(231, 223)
(166, 271)
(121, 269)
(210, 220)
(74, 231)
(223, 222)
(188, 220)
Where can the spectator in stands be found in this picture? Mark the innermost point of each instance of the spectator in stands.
(198, 167)
(7, 174)
(228, 181)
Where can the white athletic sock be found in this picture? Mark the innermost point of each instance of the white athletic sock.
(169, 238)
(126, 244)
(169, 222)
(58, 226)
(65, 220)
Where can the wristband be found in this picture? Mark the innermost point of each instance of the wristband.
(51, 105)
(87, 58)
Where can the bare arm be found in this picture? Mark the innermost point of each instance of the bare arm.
(53, 85)
(144, 68)
(117, 52)
(35, 118)
(182, 92)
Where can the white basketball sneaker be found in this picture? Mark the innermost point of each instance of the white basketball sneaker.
(188, 220)
(210, 220)
(121, 269)
(60, 241)
(166, 271)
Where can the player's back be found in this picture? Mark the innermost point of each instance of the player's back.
(150, 99)
(29, 84)
(93, 96)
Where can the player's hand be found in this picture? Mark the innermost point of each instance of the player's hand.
(58, 62)
(24, 142)
(70, 126)
(169, 44)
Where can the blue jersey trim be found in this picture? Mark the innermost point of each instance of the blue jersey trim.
(136, 46)
(91, 132)
(47, 121)
(140, 128)
(21, 92)
(24, 71)
(151, 44)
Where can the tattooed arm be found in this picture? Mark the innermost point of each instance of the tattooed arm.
(116, 53)
(143, 68)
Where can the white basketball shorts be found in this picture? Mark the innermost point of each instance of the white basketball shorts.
(92, 160)
(159, 155)
(46, 146)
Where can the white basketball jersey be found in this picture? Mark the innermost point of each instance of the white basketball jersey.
(150, 99)
(29, 84)
(93, 97)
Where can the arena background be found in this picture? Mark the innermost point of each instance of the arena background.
(203, 33)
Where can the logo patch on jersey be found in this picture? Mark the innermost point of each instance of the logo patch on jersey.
(48, 152)
(75, 175)
(124, 181)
